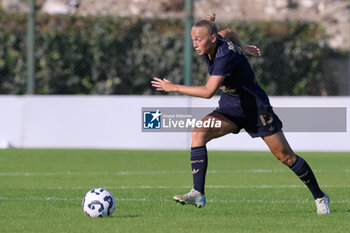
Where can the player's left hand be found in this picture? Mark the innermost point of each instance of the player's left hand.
(163, 85)
(251, 50)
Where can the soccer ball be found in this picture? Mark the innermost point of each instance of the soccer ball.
(98, 203)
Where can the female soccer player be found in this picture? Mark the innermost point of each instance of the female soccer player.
(243, 104)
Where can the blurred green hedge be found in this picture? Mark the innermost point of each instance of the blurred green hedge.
(113, 55)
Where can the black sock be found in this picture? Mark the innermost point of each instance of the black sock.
(199, 164)
(304, 172)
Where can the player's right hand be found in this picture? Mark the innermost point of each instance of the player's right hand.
(163, 85)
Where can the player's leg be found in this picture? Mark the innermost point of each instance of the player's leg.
(280, 148)
(200, 137)
(199, 157)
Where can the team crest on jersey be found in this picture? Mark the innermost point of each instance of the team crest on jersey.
(152, 119)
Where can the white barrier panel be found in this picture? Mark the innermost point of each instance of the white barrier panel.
(114, 122)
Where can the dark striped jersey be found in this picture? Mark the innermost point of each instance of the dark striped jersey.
(239, 90)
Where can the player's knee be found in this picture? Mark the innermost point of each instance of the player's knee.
(287, 159)
(200, 136)
(197, 135)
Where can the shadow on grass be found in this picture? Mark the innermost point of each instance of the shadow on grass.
(126, 216)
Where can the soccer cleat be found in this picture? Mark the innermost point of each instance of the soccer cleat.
(322, 205)
(193, 197)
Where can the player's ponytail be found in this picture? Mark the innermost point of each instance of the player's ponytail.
(208, 23)
(211, 17)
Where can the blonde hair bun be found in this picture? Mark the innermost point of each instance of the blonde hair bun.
(211, 17)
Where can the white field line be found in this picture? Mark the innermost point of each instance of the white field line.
(121, 173)
(162, 200)
(154, 187)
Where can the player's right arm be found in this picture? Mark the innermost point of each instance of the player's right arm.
(206, 91)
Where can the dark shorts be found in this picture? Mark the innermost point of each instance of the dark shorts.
(258, 125)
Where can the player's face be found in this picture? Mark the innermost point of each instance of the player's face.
(203, 43)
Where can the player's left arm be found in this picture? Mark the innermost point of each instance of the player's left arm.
(230, 35)
(249, 50)
(206, 91)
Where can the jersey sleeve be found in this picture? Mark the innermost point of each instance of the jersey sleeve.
(224, 66)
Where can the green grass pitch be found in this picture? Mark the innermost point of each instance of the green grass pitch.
(41, 191)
